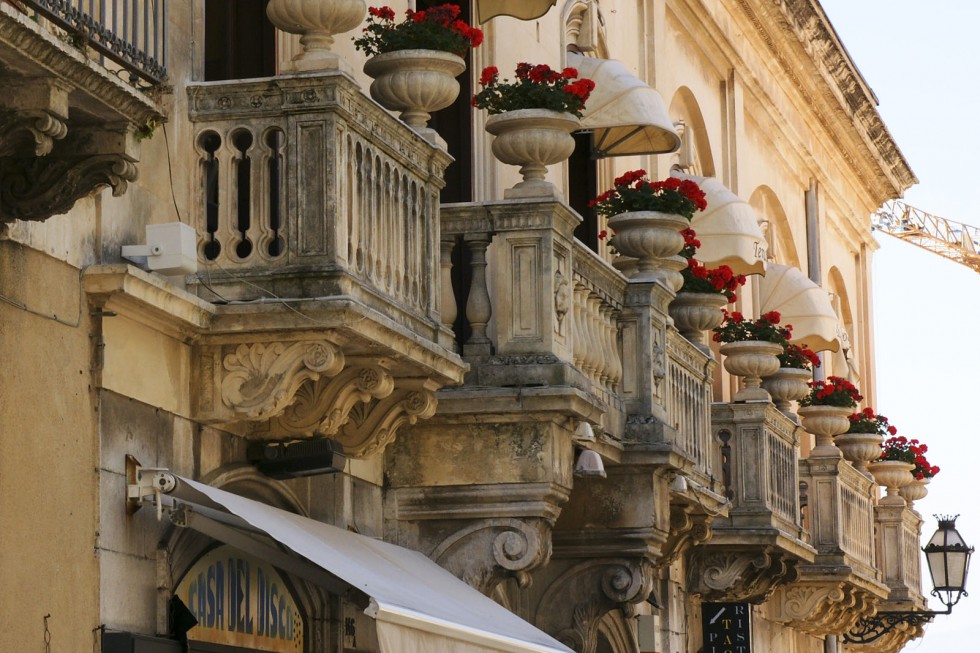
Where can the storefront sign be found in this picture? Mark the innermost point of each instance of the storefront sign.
(241, 601)
(727, 627)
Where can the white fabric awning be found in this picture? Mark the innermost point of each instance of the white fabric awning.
(802, 304)
(728, 229)
(419, 607)
(521, 9)
(625, 115)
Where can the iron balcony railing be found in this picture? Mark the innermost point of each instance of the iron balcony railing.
(130, 35)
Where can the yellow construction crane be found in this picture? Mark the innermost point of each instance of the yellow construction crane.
(953, 240)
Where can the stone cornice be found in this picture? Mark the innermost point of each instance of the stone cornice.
(833, 86)
(148, 299)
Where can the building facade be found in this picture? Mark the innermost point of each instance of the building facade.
(365, 284)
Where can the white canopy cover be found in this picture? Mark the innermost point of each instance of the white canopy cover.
(521, 9)
(728, 229)
(802, 304)
(626, 115)
(419, 607)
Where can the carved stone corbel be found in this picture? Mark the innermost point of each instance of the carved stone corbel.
(572, 605)
(322, 407)
(823, 608)
(728, 575)
(35, 188)
(372, 426)
(489, 551)
(688, 529)
(895, 639)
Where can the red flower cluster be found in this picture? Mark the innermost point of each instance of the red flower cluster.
(835, 391)
(437, 28)
(735, 328)
(799, 357)
(867, 421)
(701, 279)
(909, 451)
(633, 192)
(536, 87)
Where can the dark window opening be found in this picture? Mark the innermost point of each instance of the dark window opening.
(455, 125)
(239, 41)
(582, 182)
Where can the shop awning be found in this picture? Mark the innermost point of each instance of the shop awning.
(802, 304)
(521, 9)
(419, 607)
(625, 115)
(728, 229)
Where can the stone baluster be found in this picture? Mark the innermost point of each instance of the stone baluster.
(447, 308)
(579, 344)
(478, 308)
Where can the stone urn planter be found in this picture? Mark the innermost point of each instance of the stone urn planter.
(751, 360)
(915, 490)
(317, 21)
(892, 475)
(654, 239)
(824, 422)
(532, 139)
(859, 448)
(787, 385)
(694, 313)
(415, 82)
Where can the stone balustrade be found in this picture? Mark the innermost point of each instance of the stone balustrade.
(308, 188)
(898, 530)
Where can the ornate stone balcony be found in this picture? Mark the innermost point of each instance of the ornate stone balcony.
(761, 542)
(844, 583)
(68, 121)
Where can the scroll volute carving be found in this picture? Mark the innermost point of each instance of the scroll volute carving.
(372, 426)
(738, 575)
(323, 406)
(488, 552)
(572, 605)
(824, 608)
(687, 529)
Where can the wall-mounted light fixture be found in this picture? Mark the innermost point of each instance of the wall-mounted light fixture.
(948, 558)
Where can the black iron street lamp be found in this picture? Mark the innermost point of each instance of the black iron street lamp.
(948, 558)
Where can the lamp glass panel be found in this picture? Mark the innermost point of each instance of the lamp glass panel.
(937, 568)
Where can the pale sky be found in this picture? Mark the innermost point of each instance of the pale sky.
(922, 59)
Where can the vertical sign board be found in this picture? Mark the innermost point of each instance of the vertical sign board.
(241, 601)
(727, 627)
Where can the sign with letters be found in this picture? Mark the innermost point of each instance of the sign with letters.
(241, 601)
(727, 627)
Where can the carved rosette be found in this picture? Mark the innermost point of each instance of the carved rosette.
(823, 608)
(738, 575)
(260, 380)
(573, 604)
(488, 552)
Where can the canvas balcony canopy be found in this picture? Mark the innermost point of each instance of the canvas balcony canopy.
(521, 9)
(728, 229)
(802, 304)
(625, 115)
(418, 606)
